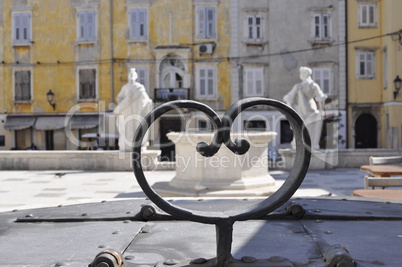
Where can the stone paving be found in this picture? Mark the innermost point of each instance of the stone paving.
(32, 189)
(336, 182)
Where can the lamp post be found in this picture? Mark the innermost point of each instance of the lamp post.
(50, 96)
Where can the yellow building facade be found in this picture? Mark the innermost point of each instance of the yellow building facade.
(77, 53)
(374, 56)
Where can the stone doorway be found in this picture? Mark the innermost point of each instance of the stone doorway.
(55, 139)
(366, 131)
(166, 146)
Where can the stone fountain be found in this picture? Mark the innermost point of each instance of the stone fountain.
(224, 174)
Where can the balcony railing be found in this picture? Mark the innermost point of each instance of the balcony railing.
(170, 94)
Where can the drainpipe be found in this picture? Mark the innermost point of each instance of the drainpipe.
(111, 58)
(347, 75)
(3, 66)
(170, 27)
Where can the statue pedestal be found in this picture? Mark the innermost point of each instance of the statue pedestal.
(149, 159)
(320, 159)
(224, 174)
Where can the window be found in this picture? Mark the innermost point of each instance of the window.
(172, 73)
(22, 85)
(87, 25)
(255, 125)
(87, 83)
(206, 23)
(22, 27)
(142, 73)
(321, 27)
(365, 64)
(323, 77)
(367, 15)
(254, 82)
(138, 24)
(206, 82)
(254, 28)
(203, 125)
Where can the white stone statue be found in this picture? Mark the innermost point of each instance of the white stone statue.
(308, 101)
(133, 105)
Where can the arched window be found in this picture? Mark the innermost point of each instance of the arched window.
(172, 70)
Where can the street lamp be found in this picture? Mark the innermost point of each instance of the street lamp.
(50, 96)
(397, 84)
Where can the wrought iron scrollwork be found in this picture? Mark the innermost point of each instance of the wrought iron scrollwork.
(222, 127)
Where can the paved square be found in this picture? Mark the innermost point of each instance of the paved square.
(31, 189)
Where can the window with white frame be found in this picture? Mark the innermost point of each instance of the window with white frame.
(253, 82)
(206, 22)
(203, 125)
(367, 14)
(255, 125)
(86, 25)
(323, 77)
(87, 83)
(22, 85)
(138, 24)
(321, 26)
(206, 82)
(142, 73)
(365, 64)
(21, 27)
(254, 27)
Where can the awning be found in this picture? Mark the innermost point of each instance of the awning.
(19, 122)
(50, 123)
(84, 121)
(101, 135)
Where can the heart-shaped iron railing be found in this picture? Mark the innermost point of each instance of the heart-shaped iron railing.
(224, 224)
